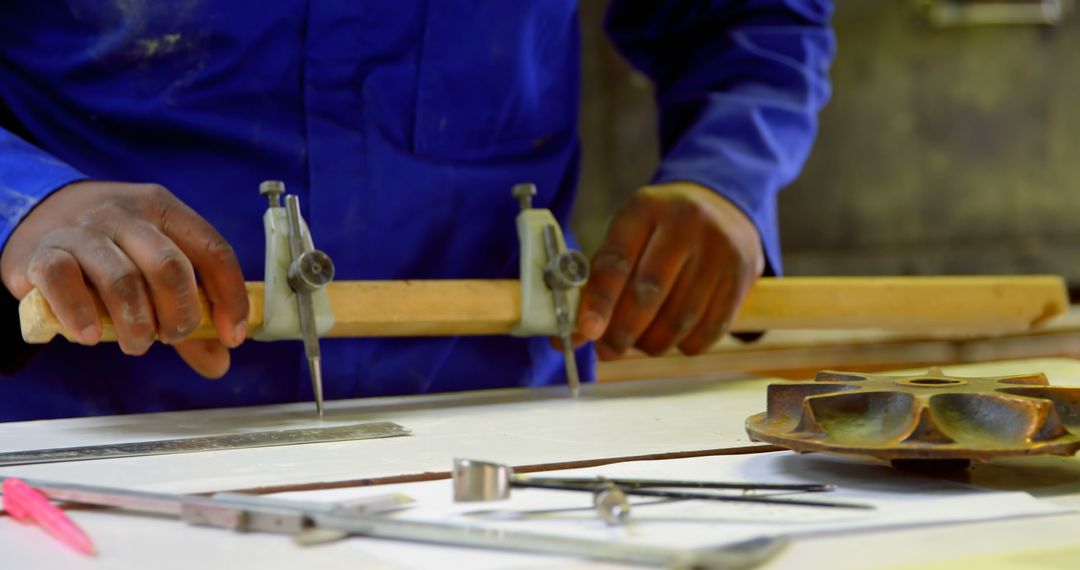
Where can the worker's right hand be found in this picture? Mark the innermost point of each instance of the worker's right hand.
(136, 247)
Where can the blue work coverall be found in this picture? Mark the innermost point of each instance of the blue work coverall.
(401, 124)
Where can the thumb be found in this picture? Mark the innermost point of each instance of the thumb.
(209, 358)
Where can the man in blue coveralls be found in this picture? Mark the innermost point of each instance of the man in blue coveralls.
(135, 134)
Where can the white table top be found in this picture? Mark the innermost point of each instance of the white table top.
(516, 426)
(520, 427)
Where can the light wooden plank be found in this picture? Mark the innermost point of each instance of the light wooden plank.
(481, 307)
(800, 353)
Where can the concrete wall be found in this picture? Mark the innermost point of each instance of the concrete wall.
(618, 129)
(942, 151)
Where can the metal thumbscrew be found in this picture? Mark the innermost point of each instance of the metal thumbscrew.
(524, 193)
(611, 504)
(567, 270)
(272, 190)
(312, 271)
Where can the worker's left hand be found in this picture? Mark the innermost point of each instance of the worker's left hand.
(675, 265)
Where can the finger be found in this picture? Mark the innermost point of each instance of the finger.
(17, 279)
(217, 265)
(655, 274)
(611, 268)
(683, 309)
(169, 275)
(57, 275)
(717, 320)
(118, 283)
(209, 358)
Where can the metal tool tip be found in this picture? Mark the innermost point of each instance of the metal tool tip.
(315, 367)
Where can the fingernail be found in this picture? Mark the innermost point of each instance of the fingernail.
(139, 348)
(182, 330)
(90, 334)
(592, 325)
(240, 333)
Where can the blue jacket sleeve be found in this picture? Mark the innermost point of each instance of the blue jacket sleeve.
(739, 85)
(27, 176)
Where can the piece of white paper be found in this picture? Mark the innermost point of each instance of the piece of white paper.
(900, 500)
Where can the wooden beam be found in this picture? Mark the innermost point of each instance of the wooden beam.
(960, 304)
(978, 304)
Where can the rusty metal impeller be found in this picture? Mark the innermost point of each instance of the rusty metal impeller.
(931, 417)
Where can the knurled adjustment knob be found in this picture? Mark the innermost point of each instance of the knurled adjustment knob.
(312, 271)
(524, 193)
(567, 270)
(272, 190)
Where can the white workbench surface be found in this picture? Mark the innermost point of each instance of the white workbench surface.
(515, 426)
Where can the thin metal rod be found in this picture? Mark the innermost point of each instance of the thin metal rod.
(573, 379)
(642, 483)
(139, 501)
(694, 496)
(315, 367)
(296, 230)
(562, 316)
(305, 304)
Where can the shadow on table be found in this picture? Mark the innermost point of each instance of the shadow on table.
(396, 409)
(1042, 476)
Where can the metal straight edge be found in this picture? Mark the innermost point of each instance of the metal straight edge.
(368, 430)
(255, 513)
(746, 554)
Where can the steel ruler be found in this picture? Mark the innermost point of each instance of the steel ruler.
(369, 430)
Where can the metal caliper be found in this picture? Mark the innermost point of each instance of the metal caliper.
(297, 306)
